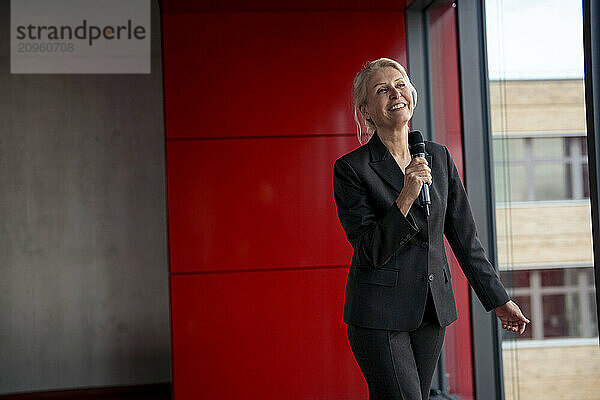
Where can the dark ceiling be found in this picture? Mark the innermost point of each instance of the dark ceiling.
(278, 5)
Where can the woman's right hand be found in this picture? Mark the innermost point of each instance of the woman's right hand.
(512, 317)
(415, 175)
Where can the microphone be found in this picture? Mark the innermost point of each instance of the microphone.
(416, 146)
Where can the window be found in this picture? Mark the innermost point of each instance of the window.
(563, 298)
(540, 168)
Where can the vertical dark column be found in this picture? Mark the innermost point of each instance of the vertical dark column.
(591, 39)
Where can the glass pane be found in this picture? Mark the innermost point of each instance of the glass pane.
(574, 146)
(510, 182)
(500, 182)
(561, 316)
(515, 279)
(589, 272)
(584, 146)
(499, 151)
(593, 314)
(509, 149)
(551, 181)
(538, 98)
(569, 190)
(586, 181)
(553, 277)
(571, 276)
(548, 148)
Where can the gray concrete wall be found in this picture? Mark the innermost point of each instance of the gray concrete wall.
(83, 256)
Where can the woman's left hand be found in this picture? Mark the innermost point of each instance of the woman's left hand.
(512, 318)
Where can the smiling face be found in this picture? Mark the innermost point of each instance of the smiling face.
(389, 102)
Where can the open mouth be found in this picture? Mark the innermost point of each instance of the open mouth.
(397, 106)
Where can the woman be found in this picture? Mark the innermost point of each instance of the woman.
(399, 296)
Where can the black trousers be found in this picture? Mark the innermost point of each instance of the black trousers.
(399, 365)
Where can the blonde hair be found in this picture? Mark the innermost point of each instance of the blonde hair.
(360, 94)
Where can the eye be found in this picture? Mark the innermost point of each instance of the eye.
(381, 90)
(401, 85)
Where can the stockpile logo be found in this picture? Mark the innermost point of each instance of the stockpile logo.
(80, 36)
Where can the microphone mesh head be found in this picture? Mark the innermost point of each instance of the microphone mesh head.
(414, 137)
(415, 142)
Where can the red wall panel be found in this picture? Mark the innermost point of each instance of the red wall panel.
(262, 335)
(255, 203)
(270, 74)
(257, 109)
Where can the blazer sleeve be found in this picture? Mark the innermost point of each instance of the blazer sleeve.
(461, 232)
(374, 238)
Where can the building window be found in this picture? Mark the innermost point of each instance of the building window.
(560, 301)
(536, 168)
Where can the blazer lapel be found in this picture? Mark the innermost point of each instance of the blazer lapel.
(384, 164)
(386, 167)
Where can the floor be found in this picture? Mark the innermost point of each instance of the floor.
(160, 391)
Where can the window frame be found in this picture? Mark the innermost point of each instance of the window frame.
(591, 41)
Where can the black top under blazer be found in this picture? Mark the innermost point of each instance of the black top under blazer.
(396, 257)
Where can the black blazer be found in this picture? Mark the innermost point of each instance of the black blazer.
(396, 257)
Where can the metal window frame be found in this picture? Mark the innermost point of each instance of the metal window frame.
(478, 167)
(479, 175)
(591, 41)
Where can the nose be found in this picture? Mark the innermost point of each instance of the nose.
(396, 93)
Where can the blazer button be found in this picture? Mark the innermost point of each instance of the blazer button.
(430, 277)
(424, 245)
